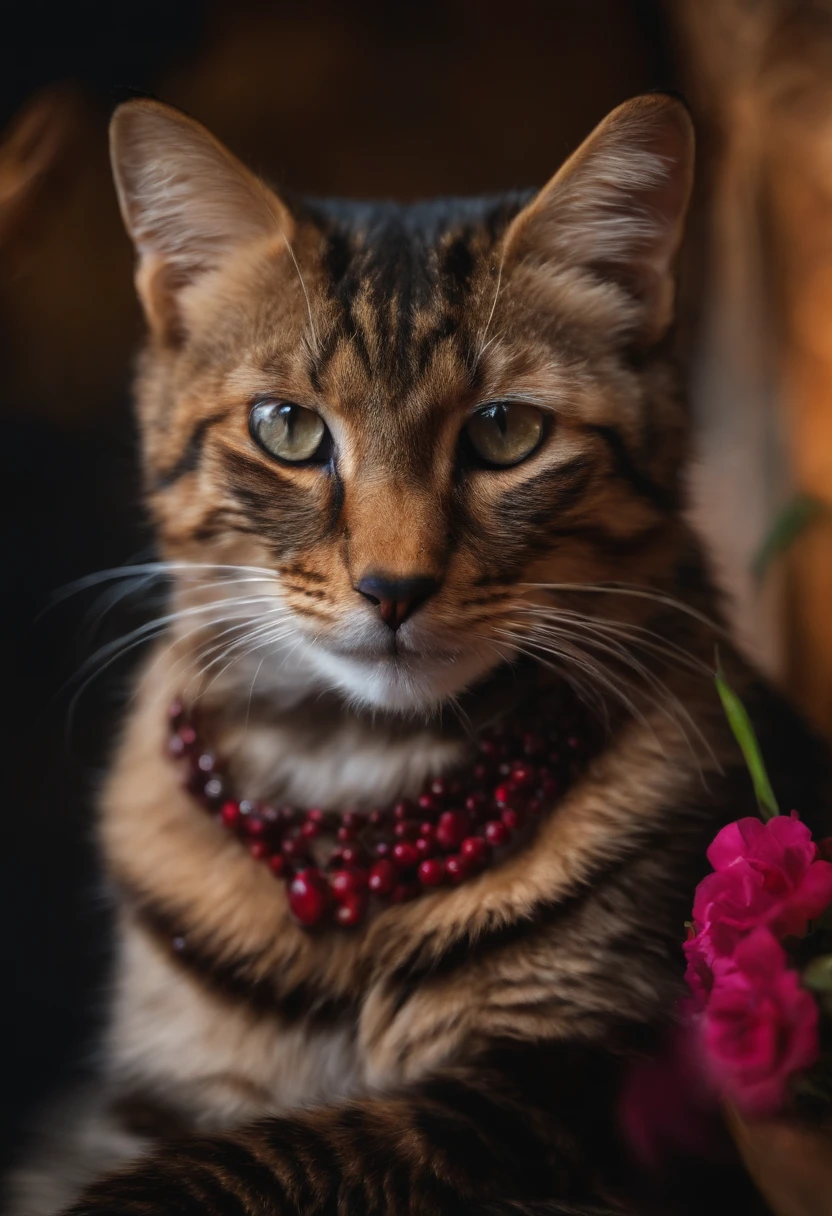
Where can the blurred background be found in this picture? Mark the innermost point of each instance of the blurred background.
(372, 99)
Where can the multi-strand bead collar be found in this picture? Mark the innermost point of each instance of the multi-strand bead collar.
(337, 863)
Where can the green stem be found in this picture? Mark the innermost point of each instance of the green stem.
(740, 724)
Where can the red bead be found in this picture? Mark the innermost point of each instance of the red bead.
(406, 829)
(475, 849)
(404, 854)
(488, 747)
(253, 825)
(352, 855)
(452, 829)
(310, 830)
(428, 803)
(294, 848)
(258, 849)
(383, 848)
(496, 833)
(346, 833)
(548, 788)
(316, 815)
(401, 810)
(376, 818)
(513, 817)
(427, 830)
(439, 787)
(383, 876)
(457, 868)
(351, 909)
(351, 819)
(431, 872)
(475, 804)
(480, 772)
(213, 789)
(424, 846)
(504, 794)
(348, 882)
(188, 735)
(533, 745)
(230, 814)
(277, 864)
(522, 776)
(308, 896)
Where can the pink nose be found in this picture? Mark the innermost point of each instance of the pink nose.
(397, 598)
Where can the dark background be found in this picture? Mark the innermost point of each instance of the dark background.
(369, 99)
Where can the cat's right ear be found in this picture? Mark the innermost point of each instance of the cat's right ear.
(603, 235)
(187, 203)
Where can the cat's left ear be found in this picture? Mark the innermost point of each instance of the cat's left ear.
(188, 205)
(612, 218)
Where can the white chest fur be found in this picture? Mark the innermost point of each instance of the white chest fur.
(220, 1061)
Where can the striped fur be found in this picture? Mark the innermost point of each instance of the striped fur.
(463, 1052)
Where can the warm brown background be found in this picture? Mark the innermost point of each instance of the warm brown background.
(373, 99)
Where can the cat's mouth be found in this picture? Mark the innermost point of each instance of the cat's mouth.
(393, 651)
(399, 676)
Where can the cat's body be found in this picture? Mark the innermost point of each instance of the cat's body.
(464, 1051)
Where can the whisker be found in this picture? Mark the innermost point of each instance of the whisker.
(158, 569)
(670, 704)
(490, 317)
(637, 592)
(262, 633)
(638, 635)
(567, 671)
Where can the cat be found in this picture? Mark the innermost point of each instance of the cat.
(415, 472)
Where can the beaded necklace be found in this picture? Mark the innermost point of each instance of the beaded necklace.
(338, 864)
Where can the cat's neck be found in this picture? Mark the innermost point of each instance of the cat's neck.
(321, 750)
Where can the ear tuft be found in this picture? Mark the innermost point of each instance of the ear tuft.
(616, 209)
(187, 203)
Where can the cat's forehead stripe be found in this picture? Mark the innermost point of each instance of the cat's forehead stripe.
(393, 272)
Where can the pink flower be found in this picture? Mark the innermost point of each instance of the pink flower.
(666, 1107)
(700, 956)
(759, 1027)
(765, 874)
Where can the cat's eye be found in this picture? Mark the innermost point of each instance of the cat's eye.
(505, 432)
(290, 432)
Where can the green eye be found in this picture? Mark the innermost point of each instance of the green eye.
(290, 432)
(505, 433)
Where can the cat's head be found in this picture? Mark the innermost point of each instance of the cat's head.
(398, 421)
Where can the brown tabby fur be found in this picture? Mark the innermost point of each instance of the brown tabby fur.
(462, 1052)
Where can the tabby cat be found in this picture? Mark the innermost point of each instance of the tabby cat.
(415, 471)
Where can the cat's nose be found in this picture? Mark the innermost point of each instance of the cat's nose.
(397, 598)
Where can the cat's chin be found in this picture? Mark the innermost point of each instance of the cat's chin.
(406, 684)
